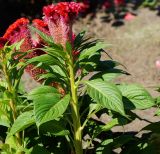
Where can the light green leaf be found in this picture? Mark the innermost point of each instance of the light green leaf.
(25, 120)
(56, 110)
(46, 59)
(105, 147)
(137, 95)
(157, 112)
(56, 52)
(44, 98)
(107, 94)
(110, 76)
(91, 51)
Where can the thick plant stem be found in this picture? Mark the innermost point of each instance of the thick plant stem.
(75, 113)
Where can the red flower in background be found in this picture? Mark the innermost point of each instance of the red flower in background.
(119, 2)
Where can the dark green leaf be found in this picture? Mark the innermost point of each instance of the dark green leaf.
(39, 150)
(54, 127)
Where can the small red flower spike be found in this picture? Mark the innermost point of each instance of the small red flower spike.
(59, 19)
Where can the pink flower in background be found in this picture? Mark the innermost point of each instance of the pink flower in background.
(158, 64)
(60, 18)
(129, 16)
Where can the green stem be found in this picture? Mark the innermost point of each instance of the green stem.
(75, 111)
(12, 100)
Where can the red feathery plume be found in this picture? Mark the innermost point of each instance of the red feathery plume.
(59, 19)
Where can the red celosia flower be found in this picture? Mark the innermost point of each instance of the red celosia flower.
(59, 19)
(16, 32)
(19, 30)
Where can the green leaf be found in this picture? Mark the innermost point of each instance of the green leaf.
(44, 36)
(54, 127)
(55, 51)
(4, 117)
(110, 76)
(103, 128)
(105, 147)
(91, 51)
(46, 59)
(44, 98)
(107, 94)
(68, 48)
(25, 120)
(56, 110)
(153, 127)
(136, 97)
(107, 64)
(39, 150)
(79, 39)
(157, 112)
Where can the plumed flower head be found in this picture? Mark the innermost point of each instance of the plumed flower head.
(18, 31)
(64, 9)
(59, 19)
(15, 28)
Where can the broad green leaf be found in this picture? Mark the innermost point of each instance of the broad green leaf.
(136, 97)
(56, 110)
(107, 94)
(42, 90)
(44, 98)
(46, 59)
(25, 120)
(91, 51)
